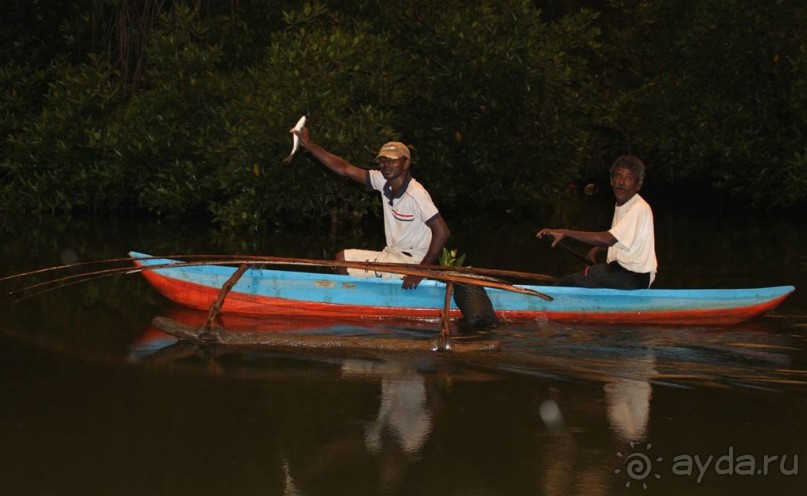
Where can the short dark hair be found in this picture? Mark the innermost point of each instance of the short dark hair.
(631, 163)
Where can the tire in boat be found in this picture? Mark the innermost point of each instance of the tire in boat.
(475, 305)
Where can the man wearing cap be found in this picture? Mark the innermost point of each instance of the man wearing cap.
(415, 231)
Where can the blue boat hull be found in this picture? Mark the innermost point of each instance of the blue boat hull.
(277, 292)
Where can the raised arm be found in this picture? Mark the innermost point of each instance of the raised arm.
(329, 160)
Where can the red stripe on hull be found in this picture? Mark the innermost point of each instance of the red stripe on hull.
(202, 297)
(679, 317)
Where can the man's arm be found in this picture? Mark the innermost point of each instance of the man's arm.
(329, 160)
(440, 234)
(598, 238)
(591, 256)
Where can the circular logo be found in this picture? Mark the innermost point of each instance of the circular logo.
(638, 466)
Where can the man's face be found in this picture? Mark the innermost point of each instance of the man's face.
(625, 184)
(392, 168)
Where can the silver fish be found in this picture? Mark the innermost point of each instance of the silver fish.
(295, 139)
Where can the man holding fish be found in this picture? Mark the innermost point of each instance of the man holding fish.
(415, 231)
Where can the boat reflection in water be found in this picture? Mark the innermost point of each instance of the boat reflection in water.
(422, 407)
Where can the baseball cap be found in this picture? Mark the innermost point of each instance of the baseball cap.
(394, 149)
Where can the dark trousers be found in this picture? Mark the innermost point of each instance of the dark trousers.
(610, 275)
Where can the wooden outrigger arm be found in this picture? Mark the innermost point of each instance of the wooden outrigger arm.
(215, 307)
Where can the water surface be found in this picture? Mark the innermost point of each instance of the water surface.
(99, 402)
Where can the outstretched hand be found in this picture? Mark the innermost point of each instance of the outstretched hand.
(557, 235)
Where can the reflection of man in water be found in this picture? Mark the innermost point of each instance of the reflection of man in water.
(404, 418)
(403, 415)
(628, 399)
(629, 408)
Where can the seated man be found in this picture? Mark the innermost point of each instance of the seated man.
(631, 260)
(415, 231)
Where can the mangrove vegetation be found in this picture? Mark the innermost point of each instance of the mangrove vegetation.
(184, 107)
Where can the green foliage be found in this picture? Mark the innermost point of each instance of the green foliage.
(331, 73)
(188, 112)
(170, 132)
(23, 87)
(449, 258)
(499, 109)
(718, 95)
(32, 34)
(55, 160)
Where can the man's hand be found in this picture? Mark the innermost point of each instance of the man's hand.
(593, 252)
(557, 235)
(411, 282)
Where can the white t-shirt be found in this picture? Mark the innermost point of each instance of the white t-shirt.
(632, 227)
(405, 216)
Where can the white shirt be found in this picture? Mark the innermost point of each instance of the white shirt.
(405, 216)
(632, 227)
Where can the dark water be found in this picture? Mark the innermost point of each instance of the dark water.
(95, 401)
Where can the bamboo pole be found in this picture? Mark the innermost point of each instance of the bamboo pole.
(224, 259)
(404, 269)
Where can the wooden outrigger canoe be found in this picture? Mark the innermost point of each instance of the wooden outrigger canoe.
(262, 291)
